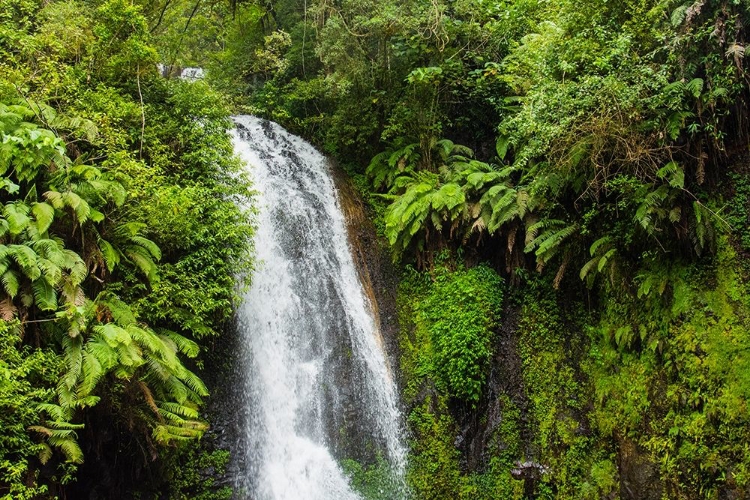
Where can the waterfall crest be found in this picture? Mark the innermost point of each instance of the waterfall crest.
(317, 381)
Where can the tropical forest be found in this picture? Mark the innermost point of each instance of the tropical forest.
(374, 249)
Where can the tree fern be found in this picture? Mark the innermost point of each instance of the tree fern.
(45, 295)
(17, 216)
(546, 238)
(44, 214)
(602, 256)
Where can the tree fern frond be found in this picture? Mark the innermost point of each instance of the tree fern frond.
(184, 345)
(143, 261)
(45, 295)
(113, 335)
(44, 215)
(10, 283)
(181, 411)
(533, 236)
(149, 245)
(17, 216)
(109, 254)
(26, 258)
(73, 358)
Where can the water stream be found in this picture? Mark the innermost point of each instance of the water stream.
(318, 387)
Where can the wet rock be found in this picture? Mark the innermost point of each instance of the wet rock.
(639, 476)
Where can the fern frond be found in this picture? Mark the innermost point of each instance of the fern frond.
(183, 344)
(45, 295)
(10, 283)
(143, 261)
(149, 245)
(109, 254)
(44, 215)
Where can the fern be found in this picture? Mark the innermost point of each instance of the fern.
(44, 215)
(546, 238)
(45, 296)
(183, 344)
(109, 254)
(26, 258)
(17, 216)
(673, 173)
(73, 359)
(10, 282)
(149, 245)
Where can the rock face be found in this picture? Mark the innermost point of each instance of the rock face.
(639, 476)
(372, 259)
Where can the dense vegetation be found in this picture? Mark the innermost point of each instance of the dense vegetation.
(594, 155)
(563, 184)
(120, 240)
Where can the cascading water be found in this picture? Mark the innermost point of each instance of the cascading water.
(318, 385)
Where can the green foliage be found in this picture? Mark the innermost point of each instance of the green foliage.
(372, 481)
(121, 232)
(194, 472)
(27, 379)
(448, 320)
(461, 312)
(433, 469)
(559, 397)
(677, 384)
(454, 313)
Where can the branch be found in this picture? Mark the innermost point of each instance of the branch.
(143, 111)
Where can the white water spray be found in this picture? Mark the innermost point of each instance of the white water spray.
(318, 384)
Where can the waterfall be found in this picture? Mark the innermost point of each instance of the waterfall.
(318, 386)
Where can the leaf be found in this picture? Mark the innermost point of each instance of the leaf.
(149, 245)
(501, 146)
(17, 215)
(143, 261)
(695, 87)
(44, 215)
(598, 243)
(93, 369)
(605, 258)
(678, 15)
(109, 254)
(674, 173)
(10, 283)
(45, 295)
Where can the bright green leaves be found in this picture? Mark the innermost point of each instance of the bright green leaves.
(39, 269)
(45, 296)
(385, 167)
(546, 237)
(423, 203)
(25, 148)
(603, 255)
(25, 374)
(59, 433)
(132, 352)
(128, 244)
(40, 276)
(461, 311)
(17, 216)
(453, 196)
(44, 214)
(69, 241)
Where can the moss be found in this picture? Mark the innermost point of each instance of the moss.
(551, 347)
(372, 481)
(448, 319)
(647, 393)
(433, 468)
(681, 394)
(194, 474)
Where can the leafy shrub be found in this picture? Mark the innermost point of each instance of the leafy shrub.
(462, 310)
